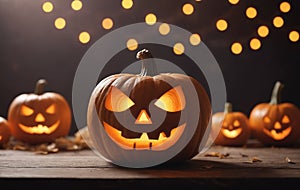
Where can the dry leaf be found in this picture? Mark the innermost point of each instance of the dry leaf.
(289, 161)
(253, 160)
(244, 155)
(217, 154)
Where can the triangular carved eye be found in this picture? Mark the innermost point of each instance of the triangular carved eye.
(26, 111)
(267, 119)
(172, 101)
(285, 119)
(117, 101)
(51, 109)
(236, 123)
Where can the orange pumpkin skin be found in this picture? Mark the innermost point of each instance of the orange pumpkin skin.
(235, 130)
(147, 89)
(274, 123)
(4, 131)
(39, 117)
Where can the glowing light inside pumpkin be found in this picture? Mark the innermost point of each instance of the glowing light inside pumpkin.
(278, 21)
(84, 37)
(267, 119)
(236, 48)
(263, 31)
(150, 19)
(127, 4)
(255, 44)
(236, 123)
(39, 118)
(172, 101)
(195, 39)
(222, 25)
(39, 129)
(117, 101)
(233, 2)
(132, 44)
(294, 36)
(251, 12)
(285, 7)
(107, 23)
(60, 23)
(51, 109)
(164, 29)
(188, 9)
(231, 133)
(76, 5)
(26, 111)
(278, 135)
(47, 7)
(143, 118)
(285, 119)
(178, 48)
(0, 137)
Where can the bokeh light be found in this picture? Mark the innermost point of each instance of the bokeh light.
(278, 21)
(222, 25)
(127, 4)
(285, 7)
(294, 36)
(84, 37)
(132, 44)
(47, 7)
(178, 48)
(195, 39)
(251, 12)
(60, 23)
(164, 29)
(150, 19)
(234, 2)
(107, 23)
(76, 5)
(188, 9)
(236, 48)
(263, 31)
(255, 44)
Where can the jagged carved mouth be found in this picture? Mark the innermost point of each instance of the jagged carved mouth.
(144, 143)
(232, 133)
(40, 129)
(278, 135)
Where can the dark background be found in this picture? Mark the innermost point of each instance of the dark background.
(32, 48)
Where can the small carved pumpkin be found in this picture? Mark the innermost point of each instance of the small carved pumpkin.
(140, 120)
(39, 117)
(4, 131)
(275, 123)
(235, 130)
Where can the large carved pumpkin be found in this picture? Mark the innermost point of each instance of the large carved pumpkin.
(39, 117)
(235, 130)
(148, 119)
(4, 131)
(276, 123)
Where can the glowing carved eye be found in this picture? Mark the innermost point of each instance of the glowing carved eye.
(117, 101)
(225, 124)
(51, 109)
(285, 119)
(172, 101)
(236, 123)
(26, 111)
(267, 120)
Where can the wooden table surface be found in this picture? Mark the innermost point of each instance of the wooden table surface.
(220, 167)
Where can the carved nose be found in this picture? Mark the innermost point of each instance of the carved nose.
(39, 118)
(277, 125)
(143, 118)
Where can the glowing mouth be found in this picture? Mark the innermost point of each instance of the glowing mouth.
(40, 129)
(231, 134)
(278, 135)
(144, 143)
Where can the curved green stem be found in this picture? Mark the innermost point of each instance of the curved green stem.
(276, 93)
(148, 65)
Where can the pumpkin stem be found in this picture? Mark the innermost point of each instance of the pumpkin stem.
(228, 107)
(39, 87)
(148, 65)
(276, 93)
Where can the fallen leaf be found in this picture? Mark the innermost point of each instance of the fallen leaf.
(289, 161)
(217, 154)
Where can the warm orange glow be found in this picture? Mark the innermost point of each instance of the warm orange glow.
(222, 25)
(117, 101)
(84, 37)
(164, 29)
(39, 129)
(234, 2)
(51, 109)
(132, 44)
(172, 101)
(47, 7)
(267, 119)
(39, 118)
(26, 111)
(107, 23)
(294, 36)
(255, 44)
(231, 133)
(60, 23)
(0, 137)
(188, 9)
(278, 22)
(251, 12)
(236, 48)
(143, 118)
(150, 19)
(144, 143)
(178, 48)
(277, 125)
(76, 5)
(195, 39)
(236, 123)
(278, 135)
(285, 119)
(263, 31)
(285, 7)
(127, 4)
